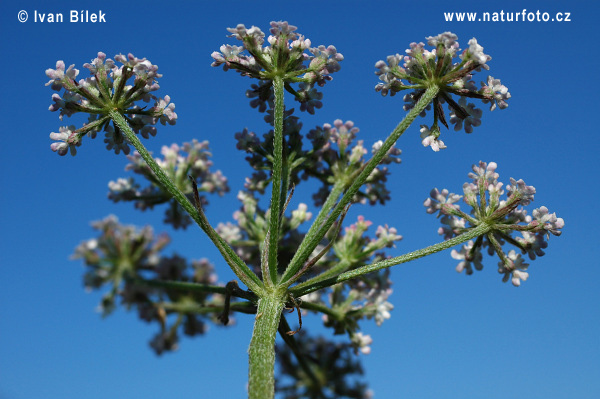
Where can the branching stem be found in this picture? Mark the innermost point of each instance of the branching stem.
(314, 236)
(242, 271)
(360, 271)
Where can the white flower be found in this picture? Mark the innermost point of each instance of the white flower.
(361, 342)
(431, 140)
(476, 52)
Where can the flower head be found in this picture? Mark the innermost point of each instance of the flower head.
(106, 91)
(287, 54)
(504, 217)
(452, 71)
(122, 257)
(178, 162)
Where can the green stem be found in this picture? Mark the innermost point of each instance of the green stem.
(261, 379)
(274, 219)
(318, 307)
(334, 194)
(360, 271)
(242, 271)
(312, 240)
(242, 307)
(335, 270)
(336, 191)
(193, 287)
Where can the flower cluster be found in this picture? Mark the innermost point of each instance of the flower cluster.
(260, 151)
(284, 56)
(355, 248)
(105, 91)
(178, 162)
(504, 217)
(420, 68)
(365, 298)
(335, 157)
(124, 257)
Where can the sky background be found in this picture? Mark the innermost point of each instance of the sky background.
(450, 336)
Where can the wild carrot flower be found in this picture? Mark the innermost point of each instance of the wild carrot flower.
(504, 216)
(178, 162)
(452, 70)
(285, 55)
(123, 255)
(104, 91)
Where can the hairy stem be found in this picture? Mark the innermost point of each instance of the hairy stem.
(360, 271)
(242, 271)
(276, 195)
(312, 240)
(261, 379)
(242, 307)
(185, 286)
(335, 270)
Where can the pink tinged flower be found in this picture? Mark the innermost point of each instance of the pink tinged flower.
(166, 108)
(247, 141)
(58, 103)
(522, 190)
(514, 268)
(230, 232)
(331, 57)
(431, 140)
(415, 48)
(387, 235)
(283, 29)
(300, 44)
(132, 61)
(469, 257)
(518, 276)
(484, 171)
(441, 201)
(227, 55)
(99, 63)
(115, 141)
(309, 98)
(447, 39)
(476, 53)
(57, 75)
(496, 92)
(549, 221)
(254, 35)
(451, 226)
(67, 141)
(533, 244)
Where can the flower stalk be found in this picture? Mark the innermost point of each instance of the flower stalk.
(276, 196)
(311, 241)
(238, 266)
(483, 228)
(261, 380)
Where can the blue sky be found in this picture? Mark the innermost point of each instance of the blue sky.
(450, 336)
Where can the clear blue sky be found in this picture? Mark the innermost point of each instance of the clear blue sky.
(450, 336)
